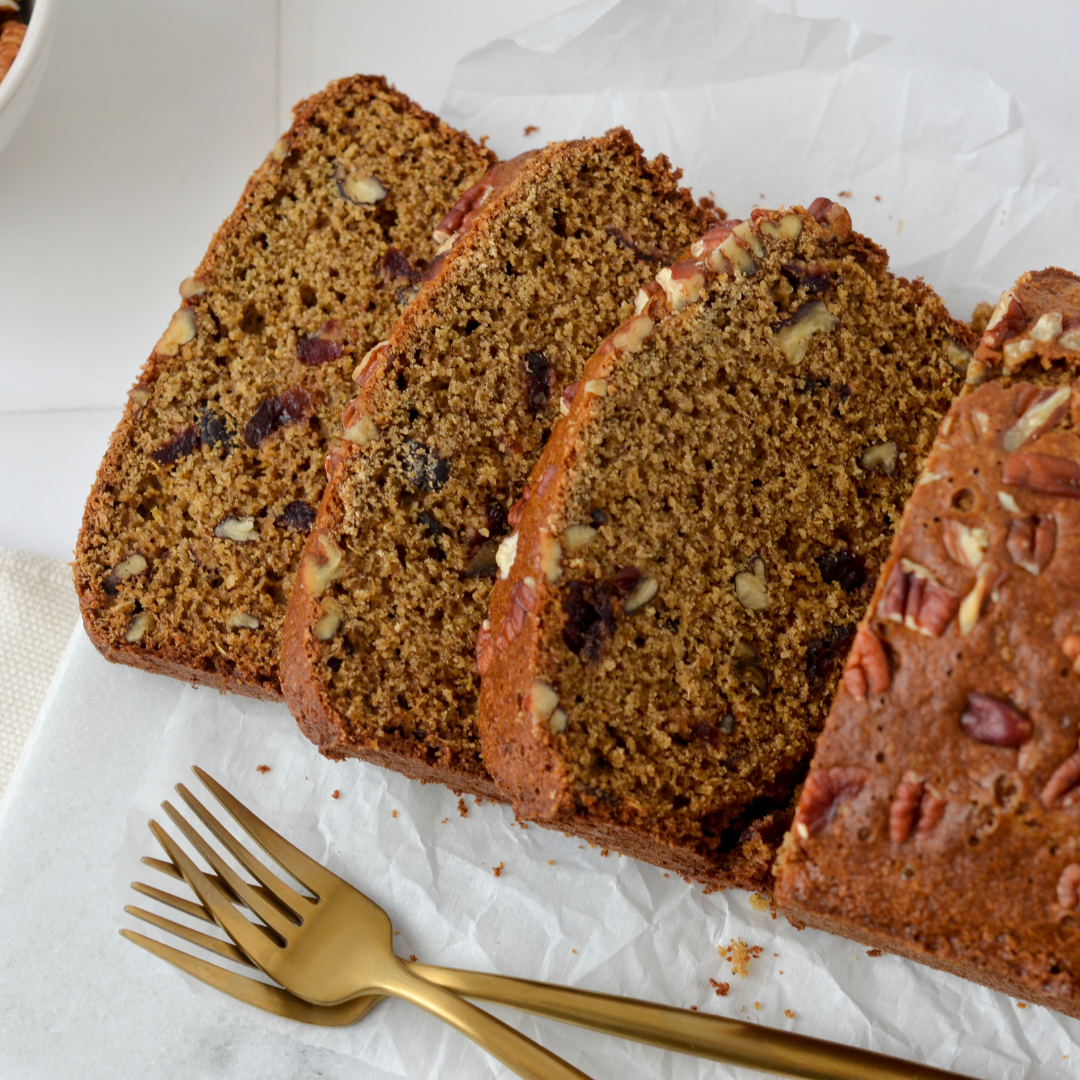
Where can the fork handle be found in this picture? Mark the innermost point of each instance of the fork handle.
(516, 1051)
(752, 1046)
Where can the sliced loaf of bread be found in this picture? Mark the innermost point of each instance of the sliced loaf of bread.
(193, 530)
(541, 261)
(702, 533)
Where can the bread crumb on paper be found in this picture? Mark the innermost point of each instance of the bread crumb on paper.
(719, 988)
(693, 1008)
(757, 1004)
(412, 957)
(759, 902)
(264, 769)
(874, 952)
(462, 809)
(739, 955)
(336, 793)
(530, 129)
(789, 1013)
(393, 813)
(1021, 1004)
(497, 870)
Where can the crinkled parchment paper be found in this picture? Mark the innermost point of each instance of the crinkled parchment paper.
(758, 108)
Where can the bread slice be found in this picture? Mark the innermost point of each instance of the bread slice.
(543, 259)
(939, 818)
(193, 530)
(703, 532)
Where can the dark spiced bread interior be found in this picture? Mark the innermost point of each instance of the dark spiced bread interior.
(193, 530)
(702, 533)
(541, 261)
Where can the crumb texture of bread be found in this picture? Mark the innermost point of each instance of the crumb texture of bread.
(939, 818)
(705, 530)
(194, 528)
(378, 658)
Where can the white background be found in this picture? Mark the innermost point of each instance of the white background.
(152, 114)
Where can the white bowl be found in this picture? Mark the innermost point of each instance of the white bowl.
(18, 87)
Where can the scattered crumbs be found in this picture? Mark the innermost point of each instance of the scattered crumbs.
(742, 1009)
(335, 794)
(603, 852)
(581, 847)
(665, 875)
(776, 954)
(462, 809)
(874, 952)
(522, 824)
(530, 129)
(551, 862)
(394, 814)
(739, 955)
(843, 194)
(412, 957)
(781, 973)
(899, 226)
(397, 933)
(497, 870)
(789, 1013)
(479, 800)
(1021, 1004)
(721, 989)
(484, 140)
(264, 769)
(877, 198)
(759, 902)
(444, 821)
(693, 1008)
(757, 1004)
(574, 951)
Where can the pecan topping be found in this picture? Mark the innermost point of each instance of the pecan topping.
(966, 545)
(1043, 413)
(1043, 473)
(832, 217)
(915, 598)
(1009, 316)
(1068, 887)
(1031, 541)
(904, 809)
(567, 399)
(823, 791)
(971, 607)
(522, 601)
(180, 445)
(913, 802)
(273, 413)
(485, 648)
(994, 722)
(513, 516)
(867, 668)
(1060, 789)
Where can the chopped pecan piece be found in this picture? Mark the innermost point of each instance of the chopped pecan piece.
(522, 601)
(1031, 541)
(915, 598)
(994, 722)
(867, 668)
(1068, 887)
(1043, 473)
(1060, 789)
(485, 648)
(1008, 317)
(823, 791)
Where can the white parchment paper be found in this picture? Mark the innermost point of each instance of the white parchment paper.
(758, 108)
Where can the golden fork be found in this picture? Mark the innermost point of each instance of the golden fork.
(749, 1045)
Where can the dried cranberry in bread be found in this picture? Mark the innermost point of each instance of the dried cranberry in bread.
(542, 260)
(939, 819)
(193, 530)
(703, 532)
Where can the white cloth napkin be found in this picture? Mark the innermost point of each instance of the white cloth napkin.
(38, 610)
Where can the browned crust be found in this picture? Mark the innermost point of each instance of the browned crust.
(973, 888)
(523, 759)
(303, 690)
(175, 659)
